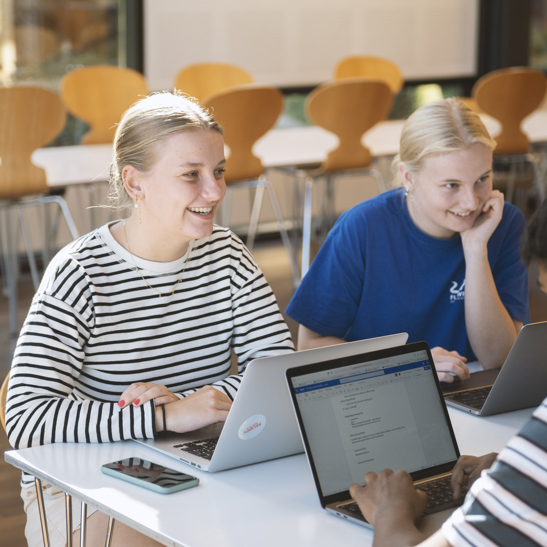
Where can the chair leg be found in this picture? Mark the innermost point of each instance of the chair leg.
(283, 232)
(225, 210)
(66, 212)
(109, 532)
(28, 246)
(10, 268)
(255, 215)
(538, 179)
(379, 180)
(306, 228)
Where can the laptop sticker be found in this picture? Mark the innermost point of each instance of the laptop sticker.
(251, 427)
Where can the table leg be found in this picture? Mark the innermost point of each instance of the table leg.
(68, 509)
(83, 523)
(42, 509)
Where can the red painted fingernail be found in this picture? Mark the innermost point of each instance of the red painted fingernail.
(121, 403)
(137, 401)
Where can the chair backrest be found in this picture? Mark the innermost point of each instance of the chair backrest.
(35, 44)
(348, 108)
(246, 113)
(203, 80)
(30, 117)
(368, 66)
(3, 400)
(99, 95)
(509, 95)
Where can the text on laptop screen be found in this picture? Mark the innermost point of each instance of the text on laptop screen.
(372, 416)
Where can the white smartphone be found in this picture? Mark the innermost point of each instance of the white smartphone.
(150, 475)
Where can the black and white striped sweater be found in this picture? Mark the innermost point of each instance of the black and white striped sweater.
(95, 327)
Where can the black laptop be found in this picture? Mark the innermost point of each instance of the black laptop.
(368, 412)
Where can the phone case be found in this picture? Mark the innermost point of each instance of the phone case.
(150, 485)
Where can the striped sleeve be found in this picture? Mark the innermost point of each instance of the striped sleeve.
(507, 506)
(42, 406)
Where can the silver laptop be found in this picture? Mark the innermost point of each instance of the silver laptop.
(261, 425)
(520, 383)
(369, 412)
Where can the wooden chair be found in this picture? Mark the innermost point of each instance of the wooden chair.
(202, 80)
(30, 117)
(368, 66)
(348, 108)
(509, 95)
(247, 113)
(99, 95)
(3, 400)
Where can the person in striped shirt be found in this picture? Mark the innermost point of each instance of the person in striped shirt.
(134, 325)
(506, 505)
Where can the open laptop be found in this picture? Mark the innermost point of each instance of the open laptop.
(520, 383)
(261, 424)
(369, 412)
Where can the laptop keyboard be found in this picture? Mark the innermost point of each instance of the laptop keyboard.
(475, 398)
(439, 498)
(203, 448)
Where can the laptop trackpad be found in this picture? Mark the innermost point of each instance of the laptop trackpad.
(482, 378)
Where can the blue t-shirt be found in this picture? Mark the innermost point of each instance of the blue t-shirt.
(378, 274)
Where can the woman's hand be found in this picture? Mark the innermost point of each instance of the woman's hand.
(140, 393)
(449, 365)
(204, 407)
(468, 469)
(479, 234)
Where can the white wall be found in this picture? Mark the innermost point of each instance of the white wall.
(298, 42)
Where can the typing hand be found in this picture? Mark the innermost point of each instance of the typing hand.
(449, 365)
(204, 407)
(389, 491)
(140, 393)
(468, 470)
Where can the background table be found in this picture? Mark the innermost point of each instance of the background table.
(269, 504)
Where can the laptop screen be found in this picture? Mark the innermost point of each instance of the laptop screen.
(372, 415)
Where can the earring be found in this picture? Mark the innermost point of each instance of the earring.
(138, 206)
(408, 193)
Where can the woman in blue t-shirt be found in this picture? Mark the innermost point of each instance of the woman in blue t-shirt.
(437, 258)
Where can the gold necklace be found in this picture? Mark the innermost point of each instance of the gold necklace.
(160, 294)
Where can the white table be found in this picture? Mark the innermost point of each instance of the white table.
(269, 504)
(86, 164)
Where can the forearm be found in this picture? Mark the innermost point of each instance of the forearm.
(35, 421)
(490, 328)
(308, 339)
(229, 386)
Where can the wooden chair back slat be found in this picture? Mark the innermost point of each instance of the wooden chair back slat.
(3, 401)
(509, 95)
(99, 95)
(368, 66)
(349, 108)
(202, 80)
(246, 113)
(30, 118)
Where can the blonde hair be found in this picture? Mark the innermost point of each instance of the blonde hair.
(144, 127)
(443, 126)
